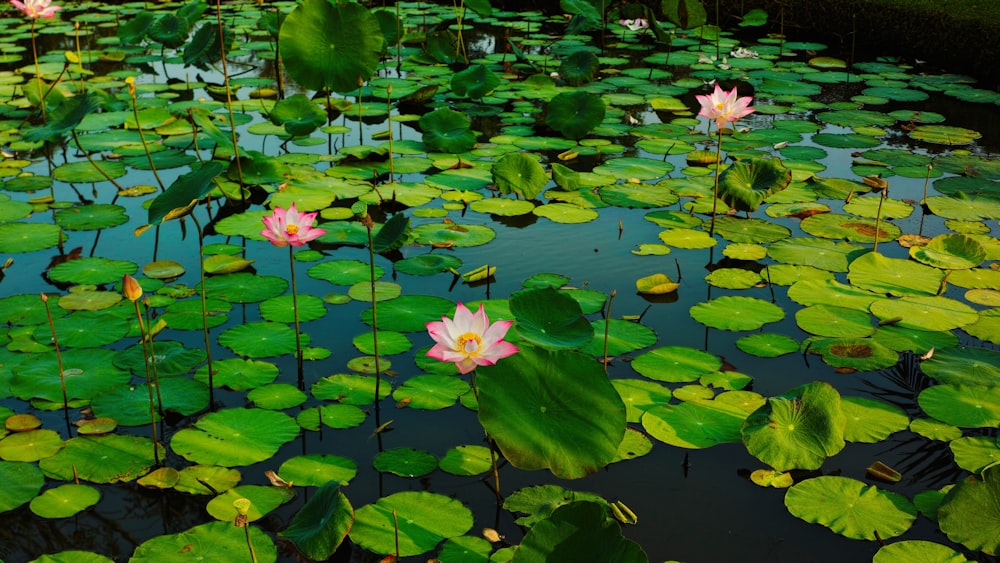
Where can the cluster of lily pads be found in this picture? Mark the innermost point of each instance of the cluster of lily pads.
(424, 136)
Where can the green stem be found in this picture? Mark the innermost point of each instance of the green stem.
(715, 192)
(295, 312)
(142, 137)
(204, 311)
(489, 442)
(146, 358)
(59, 362)
(38, 72)
(253, 554)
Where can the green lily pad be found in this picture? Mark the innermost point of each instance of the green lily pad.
(215, 541)
(622, 337)
(952, 252)
(881, 274)
(65, 501)
(235, 437)
(314, 470)
(549, 318)
(925, 312)
(969, 512)
(32, 445)
(90, 217)
(747, 183)
(566, 213)
(917, 551)
(766, 345)
(519, 173)
(332, 416)
(466, 460)
(851, 508)
(238, 374)
(823, 254)
(92, 271)
(574, 113)
(871, 421)
(453, 234)
(344, 272)
(856, 353)
(447, 130)
(77, 330)
(424, 520)
(853, 229)
(944, 134)
(965, 406)
(733, 278)
(243, 287)
(22, 482)
(430, 264)
(171, 358)
(676, 364)
(276, 396)
(350, 389)
(634, 167)
(405, 462)
(430, 392)
(112, 458)
(261, 339)
(974, 453)
(409, 313)
(586, 531)
(687, 238)
(736, 229)
(87, 372)
(832, 321)
(798, 429)
(551, 409)
(694, 424)
(264, 500)
(321, 525)
(736, 313)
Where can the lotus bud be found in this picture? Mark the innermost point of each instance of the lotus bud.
(131, 288)
(242, 506)
(45, 298)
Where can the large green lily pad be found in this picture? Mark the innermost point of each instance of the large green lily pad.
(851, 508)
(235, 437)
(421, 521)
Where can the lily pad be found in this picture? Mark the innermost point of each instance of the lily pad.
(416, 522)
(969, 512)
(736, 313)
(65, 501)
(952, 252)
(851, 508)
(22, 482)
(694, 424)
(965, 406)
(235, 437)
(102, 459)
(215, 541)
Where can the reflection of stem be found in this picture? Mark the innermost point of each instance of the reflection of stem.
(715, 192)
(295, 312)
(146, 358)
(204, 312)
(367, 220)
(607, 326)
(229, 99)
(388, 105)
(38, 72)
(142, 137)
(62, 374)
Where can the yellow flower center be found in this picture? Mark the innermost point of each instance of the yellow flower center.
(720, 106)
(469, 343)
(291, 229)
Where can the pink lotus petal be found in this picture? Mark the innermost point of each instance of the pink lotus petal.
(468, 339)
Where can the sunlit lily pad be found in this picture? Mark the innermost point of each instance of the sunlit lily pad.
(22, 482)
(554, 410)
(405, 462)
(975, 453)
(244, 287)
(798, 429)
(235, 437)
(238, 374)
(263, 500)
(823, 254)
(92, 271)
(833, 321)
(89, 217)
(112, 458)
(430, 392)
(318, 469)
(925, 312)
(944, 134)
(634, 167)
(766, 345)
(694, 424)
(687, 238)
(733, 278)
(87, 372)
(453, 234)
(917, 551)
(736, 229)
(429, 264)
(589, 532)
(871, 421)
(65, 501)
(952, 252)
(410, 313)
(350, 389)
(969, 512)
(424, 520)
(963, 365)
(851, 508)
(881, 274)
(855, 353)
(77, 330)
(215, 541)
(736, 313)
(171, 358)
(965, 406)
(676, 364)
(31, 445)
(331, 416)
(853, 229)
(262, 339)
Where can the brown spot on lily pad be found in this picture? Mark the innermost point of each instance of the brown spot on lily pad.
(851, 351)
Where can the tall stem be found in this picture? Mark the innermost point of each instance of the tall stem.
(59, 362)
(295, 312)
(489, 442)
(371, 279)
(147, 357)
(204, 312)
(715, 191)
(38, 72)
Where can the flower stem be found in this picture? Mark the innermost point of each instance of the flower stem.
(62, 374)
(38, 72)
(295, 312)
(489, 442)
(146, 358)
(204, 311)
(253, 554)
(715, 192)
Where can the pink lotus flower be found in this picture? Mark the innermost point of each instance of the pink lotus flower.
(636, 24)
(37, 8)
(469, 339)
(724, 106)
(286, 227)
